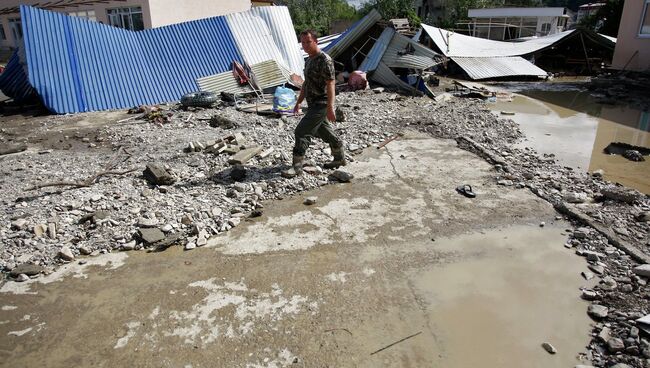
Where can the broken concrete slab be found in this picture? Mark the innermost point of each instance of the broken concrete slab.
(151, 235)
(157, 174)
(243, 156)
(27, 269)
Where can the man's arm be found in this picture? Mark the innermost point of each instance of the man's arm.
(301, 97)
(331, 96)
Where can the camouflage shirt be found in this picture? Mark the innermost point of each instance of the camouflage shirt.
(318, 71)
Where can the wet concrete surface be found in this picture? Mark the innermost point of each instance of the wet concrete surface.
(573, 126)
(395, 253)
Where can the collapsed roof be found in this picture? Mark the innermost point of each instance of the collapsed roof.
(380, 51)
(481, 58)
(76, 65)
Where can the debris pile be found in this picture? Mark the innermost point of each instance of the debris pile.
(183, 196)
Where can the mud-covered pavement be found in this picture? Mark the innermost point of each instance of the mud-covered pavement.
(395, 253)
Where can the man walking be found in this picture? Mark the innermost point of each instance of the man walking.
(319, 90)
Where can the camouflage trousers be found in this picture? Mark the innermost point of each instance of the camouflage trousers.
(315, 124)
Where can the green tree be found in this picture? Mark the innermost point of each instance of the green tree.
(318, 14)
(390, 9)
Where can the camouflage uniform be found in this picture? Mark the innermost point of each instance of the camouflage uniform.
(318, 71)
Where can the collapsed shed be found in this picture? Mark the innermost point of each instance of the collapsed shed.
(580, 51)
(75, 65)
(387, 56)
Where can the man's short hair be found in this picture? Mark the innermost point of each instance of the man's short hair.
(310, 32)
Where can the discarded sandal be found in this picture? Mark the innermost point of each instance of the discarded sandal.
(466, 190)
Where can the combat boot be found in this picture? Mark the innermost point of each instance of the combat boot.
(295, 169)
(339, 159)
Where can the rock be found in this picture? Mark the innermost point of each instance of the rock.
(238, 173)
(584, 366)
(643, 216)
(84, 250)
(39, 230)
(575, 197)
(633, 155)
(542, 224)
(234, 221)
(157, 174)
(19, 224)
(96, 197)
(621, 365)
(342, 176)
(27, 269)
(187, 219)
(598, 173)
(549, 348)
(129, 246)
(340, 114)
(240, 187)
(597, 311)
(599, 270)
(589, 295)
(506, 183)
(151, 235)
(167, 228)
(643, 270)
(51, 230)
(190, 245)
(314, 170)
(310, 200)
(22, 278)
(257, 213)
(593, 256)
(615, 345)
(581, 233)
(66, 254)
(147, 222)
(621, 194)
(605, 334)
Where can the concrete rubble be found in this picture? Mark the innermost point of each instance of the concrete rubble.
(182, 195)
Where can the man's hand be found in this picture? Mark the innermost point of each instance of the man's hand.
(331, 115)
(297, 110)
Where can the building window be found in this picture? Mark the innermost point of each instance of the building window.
(89, 14)
(3, 35)
(645, 19)
(128, 18)
(16, 28)
(546, 28)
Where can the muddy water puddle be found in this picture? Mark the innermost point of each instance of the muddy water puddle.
(571, 125)
(496, 309)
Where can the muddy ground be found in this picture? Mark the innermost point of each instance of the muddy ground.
(330, 284)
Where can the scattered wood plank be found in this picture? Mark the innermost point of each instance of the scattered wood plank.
(243, 156)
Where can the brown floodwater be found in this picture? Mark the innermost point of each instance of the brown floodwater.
(573, 126)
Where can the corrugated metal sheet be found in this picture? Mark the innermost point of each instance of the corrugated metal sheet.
(254, 39)
(384, 76)
(403, 52)
(267, 74)
(455, 44)
(77, 65)
(351, 35)
(495, 67)
(323, 42)
(375, 55)
(14, 81)
(279, 21)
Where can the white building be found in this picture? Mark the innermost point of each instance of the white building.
(511, 23)
(130, 14)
